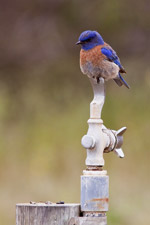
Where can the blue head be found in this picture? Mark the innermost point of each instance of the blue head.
(89, 39)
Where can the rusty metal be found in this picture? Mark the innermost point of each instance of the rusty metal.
(94, 192)
(93, 168)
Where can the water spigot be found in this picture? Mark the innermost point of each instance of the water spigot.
(115, 145)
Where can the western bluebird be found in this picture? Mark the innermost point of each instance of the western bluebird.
(98, 59)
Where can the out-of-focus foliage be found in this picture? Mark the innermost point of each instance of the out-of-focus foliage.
(44, 103)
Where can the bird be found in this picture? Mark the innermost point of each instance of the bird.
(98, 59)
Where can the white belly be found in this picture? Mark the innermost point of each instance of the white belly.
(107, 70)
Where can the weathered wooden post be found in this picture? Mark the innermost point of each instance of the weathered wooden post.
(94, 181)
(45, 213)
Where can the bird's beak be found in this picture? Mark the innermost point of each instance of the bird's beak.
(78, 42)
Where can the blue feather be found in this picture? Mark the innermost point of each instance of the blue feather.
(112, 56)
(90, 39)
(123, 81)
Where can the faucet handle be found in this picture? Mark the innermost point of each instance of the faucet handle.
(119, 141)
(119, 152)
(119, 137)
(115, 141)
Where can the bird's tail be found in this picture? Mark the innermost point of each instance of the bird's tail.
(120, 81)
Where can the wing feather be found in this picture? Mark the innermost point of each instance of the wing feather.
(112, 56)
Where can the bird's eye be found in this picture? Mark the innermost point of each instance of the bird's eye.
(88, 39)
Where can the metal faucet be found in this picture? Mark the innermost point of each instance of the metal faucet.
(99, 139)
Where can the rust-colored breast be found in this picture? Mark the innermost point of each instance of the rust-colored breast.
(93, 55)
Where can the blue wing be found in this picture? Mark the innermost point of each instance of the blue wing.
(120, 81)
(112, 56)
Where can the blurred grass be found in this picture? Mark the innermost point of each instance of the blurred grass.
(44, 104)
(40, 153)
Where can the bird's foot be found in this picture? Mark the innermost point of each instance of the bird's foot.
(98, 80)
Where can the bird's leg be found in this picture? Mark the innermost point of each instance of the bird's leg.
(94, 78)
(98, 79)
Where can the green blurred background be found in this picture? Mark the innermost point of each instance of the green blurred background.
(44, 103)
